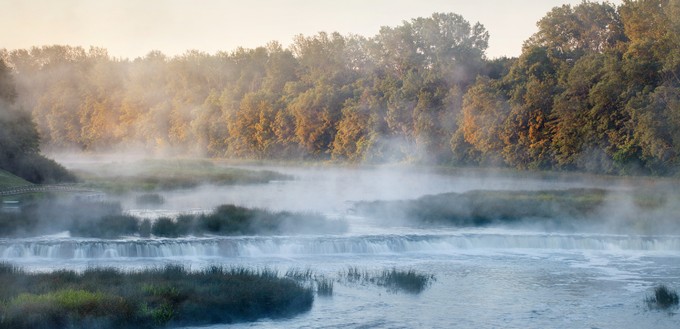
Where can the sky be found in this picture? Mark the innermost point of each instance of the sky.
(133, 28)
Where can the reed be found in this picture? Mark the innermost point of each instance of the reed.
(151, 298)
(663, 298)
(394, 280)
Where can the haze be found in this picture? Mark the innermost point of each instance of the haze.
(131, 29)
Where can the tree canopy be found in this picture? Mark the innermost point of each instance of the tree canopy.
(596, 88)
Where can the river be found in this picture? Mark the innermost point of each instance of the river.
(492, 277)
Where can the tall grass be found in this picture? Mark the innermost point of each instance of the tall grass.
(663, 298)
(152, 298)
(157, 175)
(324, 286)
(395, 280)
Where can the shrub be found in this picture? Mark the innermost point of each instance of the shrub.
(663, 298)
(409, 280)
(164, 227)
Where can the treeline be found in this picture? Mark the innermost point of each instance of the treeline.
(596, 89)
(20, 142)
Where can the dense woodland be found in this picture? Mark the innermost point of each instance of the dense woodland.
(20, 141)
(597, 88)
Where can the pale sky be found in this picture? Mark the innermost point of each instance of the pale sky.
(132, 28)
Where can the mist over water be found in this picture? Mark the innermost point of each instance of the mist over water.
(510, 276)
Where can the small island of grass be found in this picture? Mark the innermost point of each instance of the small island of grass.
(152, 298)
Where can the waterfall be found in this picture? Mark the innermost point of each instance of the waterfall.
(73, 248)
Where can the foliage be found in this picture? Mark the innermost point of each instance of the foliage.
(395, 280)
(324, 287)
(149, 298)
(663, 298)
(235, 220)
(595, 89)
(19, 140)
(150, 199)
(267, 102)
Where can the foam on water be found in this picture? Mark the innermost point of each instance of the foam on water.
(299, 246)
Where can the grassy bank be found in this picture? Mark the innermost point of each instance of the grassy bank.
(106, 220)
(8, 180)
(156, 175)
(152, 298)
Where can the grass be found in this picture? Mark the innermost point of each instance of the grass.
(324, 286)
(148, 199)
(409, 281)
(663, 298)
(157, 175)
(8, 180)
(480, 208)
(152, 298)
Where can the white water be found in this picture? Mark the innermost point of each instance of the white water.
(485, 278)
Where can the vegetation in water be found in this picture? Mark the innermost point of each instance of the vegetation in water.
(663, 298)
(106, 220)
(322, 284)
(396, 280)
(151, 298)
(478, 208)
(642, 211)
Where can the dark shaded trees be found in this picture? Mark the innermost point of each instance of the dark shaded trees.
(19, 139)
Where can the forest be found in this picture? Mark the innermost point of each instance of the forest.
(596, 89)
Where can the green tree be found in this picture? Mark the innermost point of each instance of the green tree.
(485, 110)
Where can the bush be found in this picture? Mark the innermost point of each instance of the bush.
(164, 227)
(664, 298)
(408, 281)
(109, 226)
(38, 169)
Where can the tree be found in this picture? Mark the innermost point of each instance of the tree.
(531, 85)
(571, 32)
(485, 110)
(19, 139)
